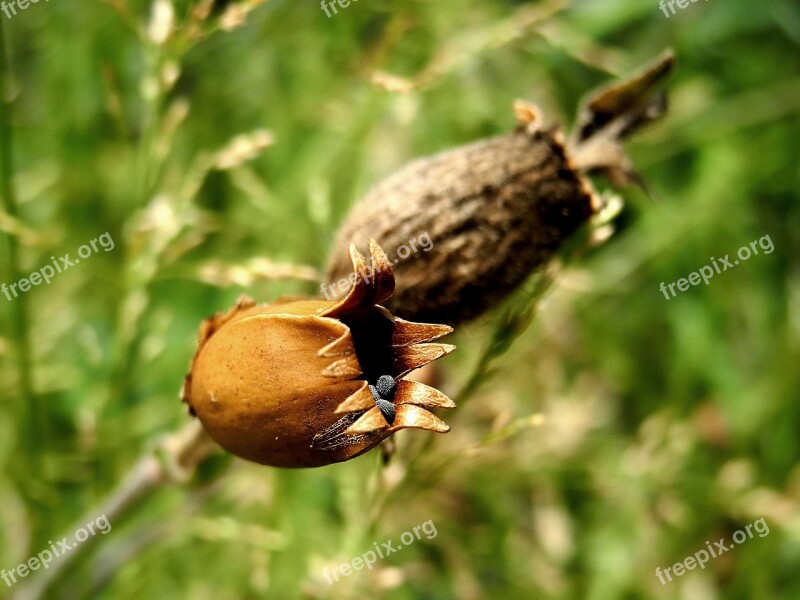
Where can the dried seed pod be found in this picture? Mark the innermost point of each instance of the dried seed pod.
(288, 384)
(498, 209)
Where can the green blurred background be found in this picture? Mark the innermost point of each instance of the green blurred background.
(619, 432)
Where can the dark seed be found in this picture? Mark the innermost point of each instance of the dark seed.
(386, 386)
(383, 392)
(387, 410)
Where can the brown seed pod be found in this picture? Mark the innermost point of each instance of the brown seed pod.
(288, 384)
(497, 209)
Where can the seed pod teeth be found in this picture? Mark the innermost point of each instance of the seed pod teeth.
(360, 400)
(337, 348)
(370, 421)
(369, 289)
(384, 276)
(414, 392)
(344, 368)
(609, 115)
(407, 333)
(408, 358)
(410, 416)
(528, 115)
(557, 134)
(634, 100)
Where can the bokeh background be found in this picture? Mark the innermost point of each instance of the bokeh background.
(616, 433)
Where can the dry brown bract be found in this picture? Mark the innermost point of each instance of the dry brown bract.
(286, 384)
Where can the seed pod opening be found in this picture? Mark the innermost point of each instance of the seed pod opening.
(287, 384)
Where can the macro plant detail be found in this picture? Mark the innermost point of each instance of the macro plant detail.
(306, 382)
(245, 158)
(383, 393)
(499, 209)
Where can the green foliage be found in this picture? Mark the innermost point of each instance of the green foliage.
(615, 434)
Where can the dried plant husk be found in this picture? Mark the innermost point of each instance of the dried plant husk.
(498, 209)
(286, 384)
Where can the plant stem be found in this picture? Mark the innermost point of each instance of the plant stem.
(174, 460)
(29, 408)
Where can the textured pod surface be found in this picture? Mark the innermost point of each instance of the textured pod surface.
(497, 209)
(288, 384)
(494, 210)
(233, 387)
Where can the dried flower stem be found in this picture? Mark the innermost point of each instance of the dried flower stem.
(173, 460)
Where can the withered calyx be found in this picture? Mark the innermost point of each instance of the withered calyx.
(307, 382)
